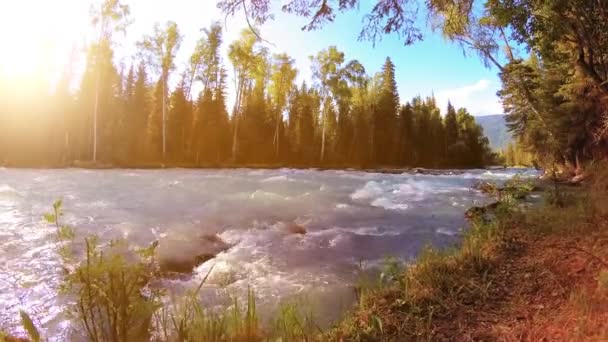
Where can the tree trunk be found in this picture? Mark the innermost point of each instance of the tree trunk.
(95, 110)
(164, 119)
(234, 137)
(276, 137)
(323, 136)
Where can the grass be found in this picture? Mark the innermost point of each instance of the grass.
(436, 285)
(439, 283)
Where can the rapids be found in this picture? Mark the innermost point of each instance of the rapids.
(351, 218)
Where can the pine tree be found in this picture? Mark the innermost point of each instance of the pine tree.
(406, 136)
(451, 133)
(437, 137)
(137, 122)
(178, 119)
(385, 116)
(282, 78)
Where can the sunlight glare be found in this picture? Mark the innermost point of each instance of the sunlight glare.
(33, 33)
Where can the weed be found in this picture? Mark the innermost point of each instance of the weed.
(108, 289)
(29, 326)
(294, 323)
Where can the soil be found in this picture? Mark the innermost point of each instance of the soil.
(545, 288)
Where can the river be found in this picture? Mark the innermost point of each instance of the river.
(351, 218)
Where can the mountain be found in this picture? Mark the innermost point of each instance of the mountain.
(495, 128)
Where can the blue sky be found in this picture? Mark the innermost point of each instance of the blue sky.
(433, 66)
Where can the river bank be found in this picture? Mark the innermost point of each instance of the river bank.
(533, 273)
(387, 169)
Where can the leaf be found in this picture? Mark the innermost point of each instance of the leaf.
(57, 205)
(378, 322)
(66, 232)
(29, 326)
(50, 218)
(204, 280)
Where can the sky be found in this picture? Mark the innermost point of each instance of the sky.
(55, 28)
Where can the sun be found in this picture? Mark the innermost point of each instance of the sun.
(20, 38)
(33, 33)
(22, 59)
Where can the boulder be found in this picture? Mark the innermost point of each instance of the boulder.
(294, 228)
(487, 187)
(181, 253)
(485, 213)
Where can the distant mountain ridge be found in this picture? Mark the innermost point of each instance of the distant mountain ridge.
(495, 128)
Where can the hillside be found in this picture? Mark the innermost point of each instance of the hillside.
(495, 128)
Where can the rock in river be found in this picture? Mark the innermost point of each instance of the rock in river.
(294, 228)
(182, 253)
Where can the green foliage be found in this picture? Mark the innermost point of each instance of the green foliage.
(294, 322)
(109, 289)
(391, 270)
(518, 187)
(385, 116)
(555, 100)
(347, 119)
(515, 155)
(554, 96)
(29, 326)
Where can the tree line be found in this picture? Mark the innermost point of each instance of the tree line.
(516, 155)
(131, 116)
(551, 55)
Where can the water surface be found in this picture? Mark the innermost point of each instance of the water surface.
(351, 218)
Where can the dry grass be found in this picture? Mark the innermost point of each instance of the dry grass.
(427, 297)
(535, 275)
(558, 286)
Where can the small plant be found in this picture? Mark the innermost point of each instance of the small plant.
(294, 323)
(518, 188)
(489, 188)
(391, 271)
(245, 326)
(29, 326)
(185, 319)
(108, 287)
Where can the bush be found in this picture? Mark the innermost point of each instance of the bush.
(109, 287)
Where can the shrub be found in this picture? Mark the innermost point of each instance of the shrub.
(109, 287)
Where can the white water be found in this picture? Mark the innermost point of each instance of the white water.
(350, 217)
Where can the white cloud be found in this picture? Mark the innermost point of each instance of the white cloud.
(479, 98)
